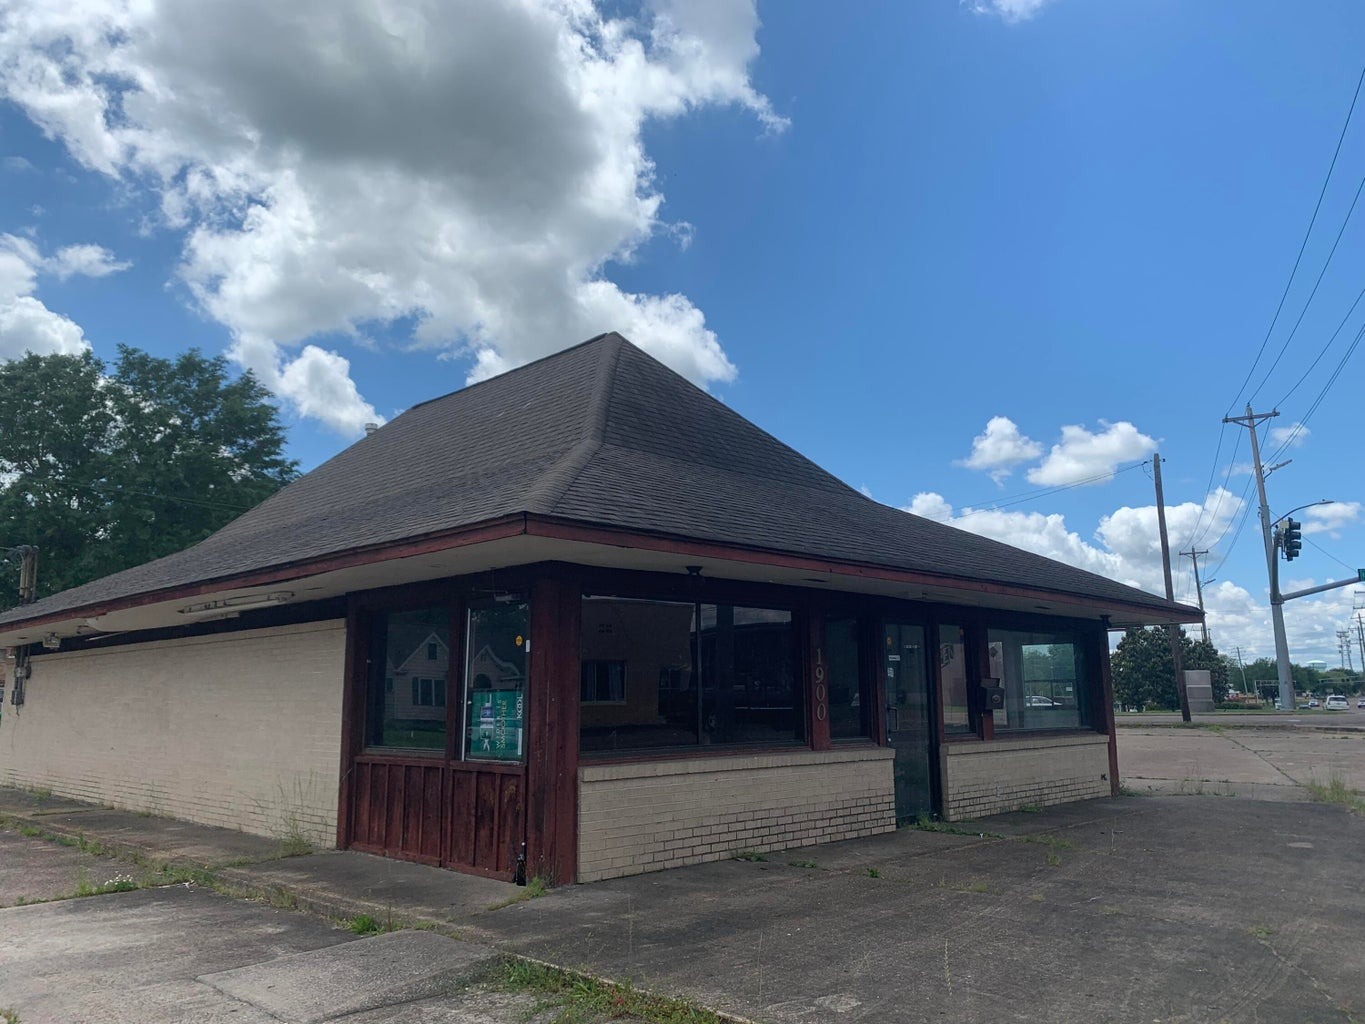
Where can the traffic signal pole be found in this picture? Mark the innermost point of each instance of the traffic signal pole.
(1250, 420)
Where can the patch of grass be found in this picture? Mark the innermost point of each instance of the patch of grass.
(803, 864)
(30, 831)
(8, 1016)
(1111, 911)
(750, 855)
(1130, 791)
(1335, 791)
(295, 846)
(1050, 841)
(1261, 932)
(873, 873)
(536, 887)
(1054, 859)
(364, 924)
(1030, 809)
(924, 823)
(578, 998)
(119, 883)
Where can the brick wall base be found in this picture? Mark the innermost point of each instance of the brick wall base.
(241, 730)
(1005, 775)
(664, 814)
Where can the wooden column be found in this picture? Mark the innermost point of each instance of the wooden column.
(552, 724)
(817, 680)
(1106, 696)
(352, 719)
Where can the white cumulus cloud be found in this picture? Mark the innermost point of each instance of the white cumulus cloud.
(999, 448)
(469, 168)
(1010, 10)
(1291, 436)
(1329, 519)
(26, 324)
(1092, 457)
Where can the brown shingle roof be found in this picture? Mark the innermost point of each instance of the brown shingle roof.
(603, 434)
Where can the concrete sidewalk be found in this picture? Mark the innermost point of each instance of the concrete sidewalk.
(336, 884)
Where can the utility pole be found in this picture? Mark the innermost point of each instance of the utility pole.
(1198, 585)
(1243, 667)
(1344, 645)
(1172, 629)
(1250, 420)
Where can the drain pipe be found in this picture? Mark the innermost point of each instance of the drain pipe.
(28, 587)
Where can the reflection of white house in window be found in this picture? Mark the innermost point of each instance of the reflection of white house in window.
(415, 682)
(489, 672)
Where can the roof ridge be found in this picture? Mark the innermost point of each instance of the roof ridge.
(554, 484)
(504, 373)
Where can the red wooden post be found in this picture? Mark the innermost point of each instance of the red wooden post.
(552, 740)
(1106, 689)
(817, 682)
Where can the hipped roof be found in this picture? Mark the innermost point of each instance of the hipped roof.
(599, 434)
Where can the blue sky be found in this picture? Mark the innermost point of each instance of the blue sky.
(1069, 219)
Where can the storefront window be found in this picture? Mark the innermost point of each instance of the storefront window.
(495, 705)
(849, 716)
(661, 674)
(1044, 679)
(952, 668)
(406, 696)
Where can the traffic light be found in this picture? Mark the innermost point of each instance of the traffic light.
(1292, 539)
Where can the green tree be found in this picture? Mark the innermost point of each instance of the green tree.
(106, 468)
(1144, 675)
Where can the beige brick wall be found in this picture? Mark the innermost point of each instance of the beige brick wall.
(663, 814)
(241, 730)
(981, 778)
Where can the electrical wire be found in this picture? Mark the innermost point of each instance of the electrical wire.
(1302, 245)
(1303, 420)
(1330, 555)
(1309, 301)
(1323, 351)
(1031, 495)
(1195, 535)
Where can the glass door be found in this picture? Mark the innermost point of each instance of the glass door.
(909, 724)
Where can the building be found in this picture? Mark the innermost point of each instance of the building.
(585, 613)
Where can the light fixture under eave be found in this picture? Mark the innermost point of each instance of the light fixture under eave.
(228, 606)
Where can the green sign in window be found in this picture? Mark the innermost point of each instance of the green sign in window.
(495, 725)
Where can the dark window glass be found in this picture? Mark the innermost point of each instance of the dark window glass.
(603, 682)
(406, 715)
(688, 674)
(848, 710)
(952, 669)
(496, 647)
(432, 653)
(1044, 679)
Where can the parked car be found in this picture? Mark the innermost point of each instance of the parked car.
(1336, 702)
(1314, 703)
(1038, 701)
(1361, 703)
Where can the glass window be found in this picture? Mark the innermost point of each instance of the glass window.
(495, 703)
(670, 674)
(952, 669)
(1044, 679)
(603, 682)
(848, 712)
(410, 715)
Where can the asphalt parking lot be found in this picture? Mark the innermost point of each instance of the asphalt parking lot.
(1218, 891)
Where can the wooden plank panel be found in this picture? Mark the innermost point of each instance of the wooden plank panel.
(359, 822)
(487, 807)
(432, 814)
(379, 790)
(510, 831)
(393, 831)
(460, 820)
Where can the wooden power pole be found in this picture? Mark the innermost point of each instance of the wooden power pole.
(1173, 629)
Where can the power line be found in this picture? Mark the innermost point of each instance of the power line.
(1323, 352)
(1031, 495)
(1302, 245)
(1329, 554)
(1303, 421)
(1309, 301)
(1195, 536)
